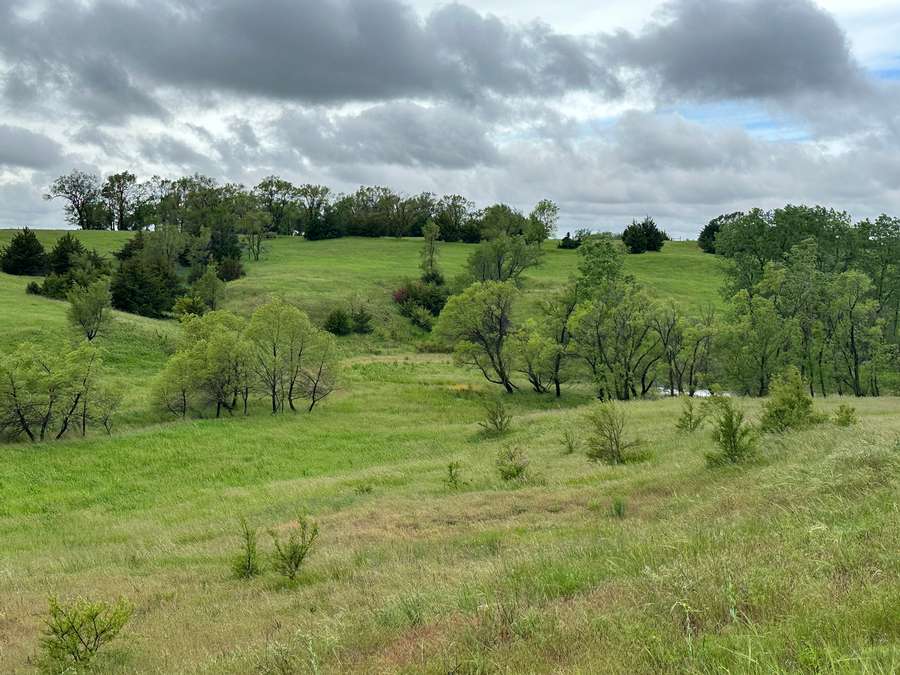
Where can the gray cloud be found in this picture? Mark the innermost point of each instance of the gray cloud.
(369, 91)
(741, 49)
(21, 148)
(398, 133)
(312, 51)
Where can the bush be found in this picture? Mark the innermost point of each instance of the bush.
(733, 435)
(789, 405)
(338, 322)
(187, 305)
(607, 440)
(496, 418)
(33, 288)
(422, 300)
(643, 236)
(290, 554)
(76, 631)
(512, 463)
(568, 242)
(230, 269)
(56, 286)
(24, 255)
(692, 415)
(845, 416)
(246, 564)
(360, 317)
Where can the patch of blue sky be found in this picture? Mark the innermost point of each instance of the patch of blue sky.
(754, 119)
(886, 73)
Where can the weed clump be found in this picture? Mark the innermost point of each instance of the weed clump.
(512, 463)
(77, 630)
(246, 564)
(693, 415)
(289, 554)
(569, 442)
(607, 442)
(454, 479)
(845, 416)
(497, 420)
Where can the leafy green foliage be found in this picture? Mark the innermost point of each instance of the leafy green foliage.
(503, 258)
(789, 405)
(76, 631)
(89, 308)
(47, 392)
(845, 416)
(290, 553)
(478, 324)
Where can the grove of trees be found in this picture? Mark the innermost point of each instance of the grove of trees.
(805, 288)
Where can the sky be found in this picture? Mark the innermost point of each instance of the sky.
(680, 110)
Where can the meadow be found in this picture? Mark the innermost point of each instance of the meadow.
(786, 564)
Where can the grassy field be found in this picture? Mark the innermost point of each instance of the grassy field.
(788, 564)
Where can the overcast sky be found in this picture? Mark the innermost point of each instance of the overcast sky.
(681, 110)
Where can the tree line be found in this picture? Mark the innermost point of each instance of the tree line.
(196, 203)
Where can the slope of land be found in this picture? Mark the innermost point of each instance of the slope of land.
(787, 564)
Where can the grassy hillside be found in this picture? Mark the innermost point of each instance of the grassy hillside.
(786, 564)
(789, 563)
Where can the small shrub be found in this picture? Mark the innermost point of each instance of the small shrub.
(56, 286)
(454, 480)
(187, 305)
(618, 508)
(731, 432)
(789, 405)
(289, 554)
(845, 416)
(246, 565)
(230, 269)
(360, 318)
(338, 322)
(420, 317)
(512, 463)
(607, 441)
(76, 631)
(693, 415)
(33, 288)
(569, 442)
(496, 418)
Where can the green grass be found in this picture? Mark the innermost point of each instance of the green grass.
(786, 564)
